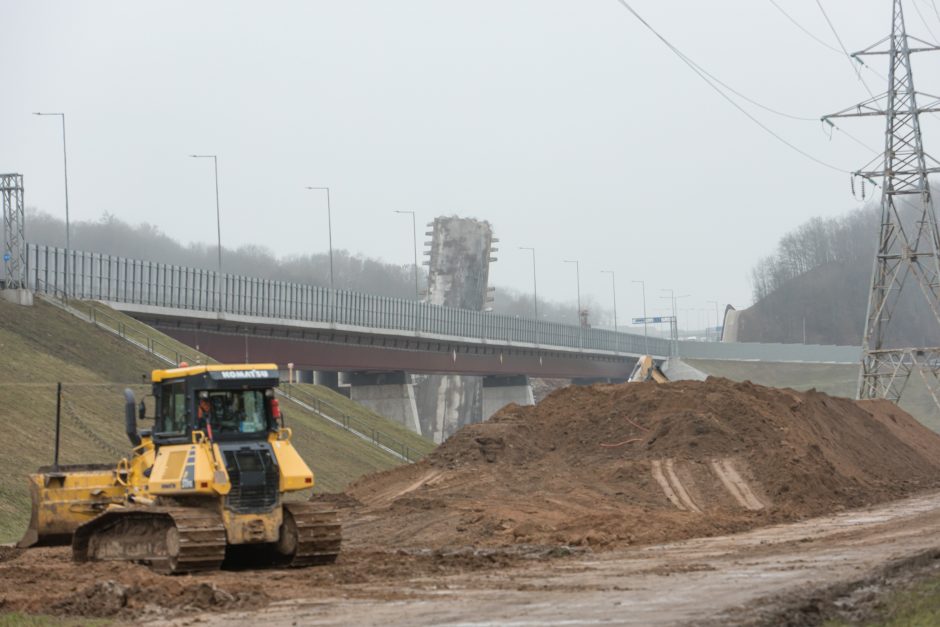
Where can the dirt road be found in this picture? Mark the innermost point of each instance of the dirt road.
(738, 579)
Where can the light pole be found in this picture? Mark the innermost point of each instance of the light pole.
(717, 318)
(414, 232)
(577, 274)
(646, 340)
(535, 290)
(675, 320)
(329, 226)
(68, 234)
(613, 285)
(218, 210)
(674, 326)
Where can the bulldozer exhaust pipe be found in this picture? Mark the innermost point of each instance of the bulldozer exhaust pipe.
(58, 424)
(130, 417)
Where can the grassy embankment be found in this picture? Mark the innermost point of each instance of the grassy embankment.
(42, 345)
(916, 605)
(333, 404)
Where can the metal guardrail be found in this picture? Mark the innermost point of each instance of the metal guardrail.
(333, 414)
(755, 351)
(124, 280)
(352, 423)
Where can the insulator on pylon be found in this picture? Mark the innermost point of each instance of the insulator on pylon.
(852, 184)
(863, 189)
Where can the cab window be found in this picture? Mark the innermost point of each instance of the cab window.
(172, 409)
(233, 411)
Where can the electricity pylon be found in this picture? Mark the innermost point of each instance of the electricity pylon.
(909, 240)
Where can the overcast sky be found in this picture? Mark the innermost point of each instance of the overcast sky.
(565, 123)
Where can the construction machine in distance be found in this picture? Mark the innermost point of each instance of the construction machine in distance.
(205, 485)
(646, 369)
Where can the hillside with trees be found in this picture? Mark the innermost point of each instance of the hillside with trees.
(815, 286)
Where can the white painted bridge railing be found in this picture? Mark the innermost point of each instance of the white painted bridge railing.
(123, 280)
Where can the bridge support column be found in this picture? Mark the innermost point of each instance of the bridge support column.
(499, 391)
(326, 378)
(17, 296)
(389, 394)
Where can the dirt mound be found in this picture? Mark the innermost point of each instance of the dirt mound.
(621, 464)
(46, 581)
(9, 553)
(115, 600)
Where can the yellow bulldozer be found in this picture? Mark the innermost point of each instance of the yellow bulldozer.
(206, 484)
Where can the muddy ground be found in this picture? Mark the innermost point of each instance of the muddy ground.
(606, 496)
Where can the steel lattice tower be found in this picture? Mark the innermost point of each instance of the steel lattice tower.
(14, 241)
(909, 240)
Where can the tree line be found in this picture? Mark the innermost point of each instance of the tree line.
(815, 243)
(112, 236)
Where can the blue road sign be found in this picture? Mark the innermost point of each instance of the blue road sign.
(6, 256)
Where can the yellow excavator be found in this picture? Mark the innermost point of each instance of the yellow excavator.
(205, 485)
(646, 369)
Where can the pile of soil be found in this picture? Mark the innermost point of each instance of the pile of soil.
(47, 581)
(610, 465)
(112, 599)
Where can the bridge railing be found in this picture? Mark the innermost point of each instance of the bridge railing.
(134, 281)
(173, 357)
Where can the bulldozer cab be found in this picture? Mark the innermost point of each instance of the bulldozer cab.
(225, 402)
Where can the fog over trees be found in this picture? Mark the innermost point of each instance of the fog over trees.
(814, 287)
(815, 243)
(112, 236)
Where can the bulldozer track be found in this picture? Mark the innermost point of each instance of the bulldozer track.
(202, 540)
(318, 534)
(169, 540)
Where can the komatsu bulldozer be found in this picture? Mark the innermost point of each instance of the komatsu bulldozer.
(205, 484)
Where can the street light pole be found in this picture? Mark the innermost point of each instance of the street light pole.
(717, 322)
(68, 231)
(329, 227)
(535, 290)
(218, 209)
(577, 274)
(675, 319)
(613, 285)
(414, 231)
(646, 340)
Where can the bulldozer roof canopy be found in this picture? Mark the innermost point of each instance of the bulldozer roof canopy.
(188, 371)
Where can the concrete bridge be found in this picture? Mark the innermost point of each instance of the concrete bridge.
(380, 340)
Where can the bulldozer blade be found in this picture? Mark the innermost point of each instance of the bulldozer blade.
(64, 497)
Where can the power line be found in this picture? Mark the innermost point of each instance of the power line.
(827, 45)
(845, 51)
(805, 30)
(750, 100)
(704, 76)
(921, 16)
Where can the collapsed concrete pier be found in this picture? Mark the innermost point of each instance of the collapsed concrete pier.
(459, 253)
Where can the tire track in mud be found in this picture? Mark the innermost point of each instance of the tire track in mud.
(764, 576)
(664, 473)
(735, 484)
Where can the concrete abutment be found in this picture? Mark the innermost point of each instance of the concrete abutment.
(499, 391)
(389, 394)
